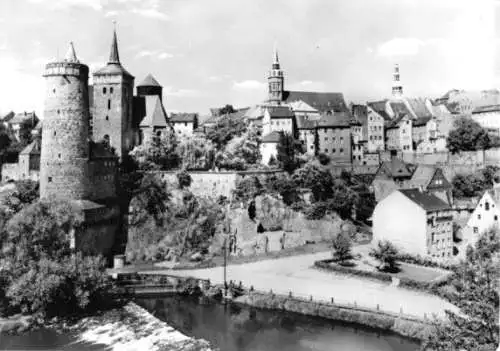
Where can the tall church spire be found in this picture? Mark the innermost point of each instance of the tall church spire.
(113, 55)
(71, 54)
(397, 88)
(276, 61)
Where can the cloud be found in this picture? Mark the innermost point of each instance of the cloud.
(111, 14)
(151, 13)
(219, 78)
(183, 92)
(248, 85)
(400, 47)
(94, 4)
(154, 54)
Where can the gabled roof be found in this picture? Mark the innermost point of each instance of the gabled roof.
(379, 107)
(301, 106)
(322, 102)
(495, 195)
(337, 119)
(423, 175)
(25, 117)
(183, 117)
(280, 111)
(396, 168)
(273, 137)
(304, 122)
(149, 81)
(33, 148)
(8, 116)
(427, 201)
(484, 109)
(421, 121)
(419, 108)
(399, 108)
(155, 115)
(360, 113)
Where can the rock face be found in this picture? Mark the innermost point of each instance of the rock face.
(276, 218)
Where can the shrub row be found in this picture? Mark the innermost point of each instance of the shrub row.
(423, 261)
(327, 265)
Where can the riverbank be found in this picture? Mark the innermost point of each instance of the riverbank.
(133, 328)
(399, 324)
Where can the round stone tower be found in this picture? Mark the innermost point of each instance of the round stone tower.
(65, 133)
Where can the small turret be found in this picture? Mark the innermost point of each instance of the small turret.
(397, 88)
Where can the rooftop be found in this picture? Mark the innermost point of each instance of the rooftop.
(396, 168)
(25, 117)
(304, 122)
(485, 109)
(154, 114)
(183, 117)
(337, 119)
(322, 102)
(279, 111)
(379, 107)
(273, 137)
(33, 148)
(149, 81)
(427, 201)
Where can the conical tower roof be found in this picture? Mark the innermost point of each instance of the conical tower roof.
(149, 81)
(71, 54)
(114, 57)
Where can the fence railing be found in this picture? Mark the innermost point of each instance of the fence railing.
(344, 304)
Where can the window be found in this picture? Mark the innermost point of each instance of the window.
(475, 230)
(59, 155)
(49, 179)
(54, 133)
(341, 150)
(432, 237)
(326, 150)
(54, 90)
(104, 90)
(111, 90)
(478, 216)
(334, 150)
(326, 138)
(495, 217)
(109, 104)
(487, 206)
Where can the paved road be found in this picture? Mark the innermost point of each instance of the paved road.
(297, 275)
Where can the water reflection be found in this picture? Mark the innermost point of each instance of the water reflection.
(234, 327)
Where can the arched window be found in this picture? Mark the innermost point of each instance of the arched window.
(111, 90)
(104, 90)
(109, 104)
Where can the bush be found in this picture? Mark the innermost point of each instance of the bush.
(316, 211)
(324, 159)
(184, 179)
(330, 265)
(342, 249)
(386, 254)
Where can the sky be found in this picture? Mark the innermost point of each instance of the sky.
(208, 53)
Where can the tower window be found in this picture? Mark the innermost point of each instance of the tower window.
(104, 90)
(111, 90)
(54, 132)
(107, 118)
(58, 112)
(49, 179)
(59, 155)
(109, 104)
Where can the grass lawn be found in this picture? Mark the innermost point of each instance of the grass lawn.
(419, 273)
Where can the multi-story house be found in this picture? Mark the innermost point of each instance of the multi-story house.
(432, 180)
(334, 136)
(375, 131)
(485, 216)
(184, 124)
(307, 134)
(358, 142)
(488, 117)
(399, 134)
(416, 222)
(279, 118)
(22, 124)
(391, 175)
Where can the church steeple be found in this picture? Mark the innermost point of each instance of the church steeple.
(397, 88)
(275, 80)
(114, 57)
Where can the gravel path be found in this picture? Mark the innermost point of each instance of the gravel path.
(297, 275)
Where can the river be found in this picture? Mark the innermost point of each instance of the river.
(236, 328)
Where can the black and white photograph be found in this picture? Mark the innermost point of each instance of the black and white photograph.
(250, 175)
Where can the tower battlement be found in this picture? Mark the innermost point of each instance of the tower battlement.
(63, 68)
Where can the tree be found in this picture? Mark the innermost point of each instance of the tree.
(247, 188)
(467, 135)
(149, 199)
(472, 185)
(316, 178)
(386, 253)
(285, 186)
(475, 292)
(225, 129)
(196, 152)
(184, 179)
(343, 200)
(324, 159)
(157, 152)
(227, 109)
(287, 150)
(342, 249)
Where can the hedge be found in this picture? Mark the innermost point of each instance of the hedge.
(423, 261)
